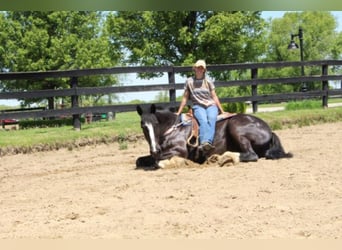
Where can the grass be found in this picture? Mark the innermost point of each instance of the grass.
(305, 104)
(128, 123)
(283, 104)
(123, 125)
(299, 118)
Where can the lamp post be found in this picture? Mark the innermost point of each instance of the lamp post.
(293, 45)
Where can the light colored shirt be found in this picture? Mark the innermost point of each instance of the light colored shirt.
(200, 91)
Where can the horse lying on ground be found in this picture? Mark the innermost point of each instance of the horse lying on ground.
(167, 135)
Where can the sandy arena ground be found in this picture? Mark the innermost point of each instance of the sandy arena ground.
(96, 192)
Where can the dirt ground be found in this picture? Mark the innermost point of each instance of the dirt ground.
(96, 192)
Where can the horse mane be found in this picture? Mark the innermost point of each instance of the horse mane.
(166, 118)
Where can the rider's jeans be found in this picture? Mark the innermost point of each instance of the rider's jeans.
(206, 118)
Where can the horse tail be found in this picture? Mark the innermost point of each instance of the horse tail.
(276, 150)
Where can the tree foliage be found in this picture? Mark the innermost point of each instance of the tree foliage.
(61, 40)
(319, 36)
(181, 37)
(320, 41)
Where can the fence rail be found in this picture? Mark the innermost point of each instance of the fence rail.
(75, 91)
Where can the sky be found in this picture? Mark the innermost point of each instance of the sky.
(151, 95)
(278, 14)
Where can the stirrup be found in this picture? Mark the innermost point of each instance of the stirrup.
(192, 141)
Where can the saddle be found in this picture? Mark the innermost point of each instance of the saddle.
(190, 118)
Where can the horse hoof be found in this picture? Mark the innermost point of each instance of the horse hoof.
(247, 157)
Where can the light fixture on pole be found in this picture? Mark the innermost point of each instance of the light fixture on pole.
(293, 45)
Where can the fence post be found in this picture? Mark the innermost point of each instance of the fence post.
(254, 75)
(74, 104)
(325, 86)
(172, 86)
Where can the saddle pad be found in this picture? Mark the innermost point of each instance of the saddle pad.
(224, 116)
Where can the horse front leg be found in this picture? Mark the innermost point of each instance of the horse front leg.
(172, 150)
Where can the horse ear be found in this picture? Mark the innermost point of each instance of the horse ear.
(139, 110)
(153, 109)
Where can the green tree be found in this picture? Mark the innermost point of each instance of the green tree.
(337, 48)
(3, 38)
(181, 37)
(232, 37)
(40, 41)
(320, 41)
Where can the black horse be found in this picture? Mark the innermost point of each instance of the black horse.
(168, 136)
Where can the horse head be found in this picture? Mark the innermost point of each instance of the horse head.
(149, 125)
(154, 124)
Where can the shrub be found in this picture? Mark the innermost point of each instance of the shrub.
(305, 104)
(235, 107)
(25, 124)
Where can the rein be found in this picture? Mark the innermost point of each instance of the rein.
(194, 131)
(173, 128)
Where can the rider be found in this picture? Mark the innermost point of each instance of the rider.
(206, 104)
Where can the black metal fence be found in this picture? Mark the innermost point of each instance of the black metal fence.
(74, 92)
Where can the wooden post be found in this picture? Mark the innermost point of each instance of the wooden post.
(254, 75)
(74, 104)
(325, 87)
(172, 85)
